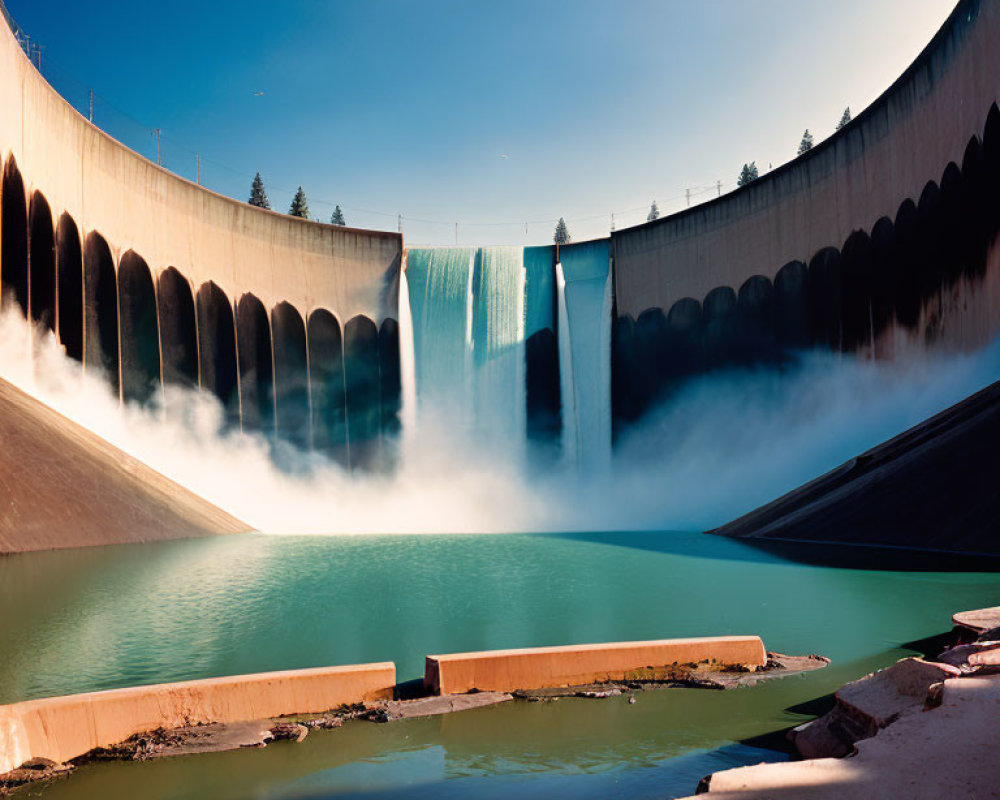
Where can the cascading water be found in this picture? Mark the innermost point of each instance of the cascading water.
(583, 284)
(467, 312)
(498, 343)
(472, 314)
(407, 366)
(438, 281)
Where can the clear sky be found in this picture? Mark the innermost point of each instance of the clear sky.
(409, 106)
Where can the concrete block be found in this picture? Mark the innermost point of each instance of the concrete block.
(573, 665)
(62, 728)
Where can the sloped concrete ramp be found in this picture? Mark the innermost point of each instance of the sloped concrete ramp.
(933, 487)
(63, 486)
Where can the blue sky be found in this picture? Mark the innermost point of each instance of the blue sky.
(407, 107)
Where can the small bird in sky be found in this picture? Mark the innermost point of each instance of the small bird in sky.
(504, 156)
(258, 94)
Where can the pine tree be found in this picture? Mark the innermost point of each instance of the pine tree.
(654, 212)
(845, 118)
(258, 197)
(338, 217)
(300, 206)
(562, 232)
(806, 143)
(747, 174)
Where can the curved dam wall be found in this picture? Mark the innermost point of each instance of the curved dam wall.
(155, 280)
(879, 240)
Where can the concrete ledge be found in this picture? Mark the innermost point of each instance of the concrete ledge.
(62, 728)
(572, 665)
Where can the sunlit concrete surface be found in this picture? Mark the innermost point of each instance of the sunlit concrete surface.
(63, 486)
(572, 665)
(61, 728)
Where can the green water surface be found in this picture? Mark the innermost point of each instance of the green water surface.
(101, 618)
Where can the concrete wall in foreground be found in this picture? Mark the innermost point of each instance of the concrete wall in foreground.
(61, 728)
(576, 665)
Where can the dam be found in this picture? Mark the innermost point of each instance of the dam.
(176, 364)
(860, 246)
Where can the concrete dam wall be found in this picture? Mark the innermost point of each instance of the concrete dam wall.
(880, 241)
(154, 280)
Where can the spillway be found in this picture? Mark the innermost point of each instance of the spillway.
(584, 290)
(498, 343)
(467, 311)
(511, 347)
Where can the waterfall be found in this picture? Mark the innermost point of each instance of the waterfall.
(497, 337)
(583, 284)
(570, 434)
(468, 340)
(438, 282)
(407, 366)
(470, 314)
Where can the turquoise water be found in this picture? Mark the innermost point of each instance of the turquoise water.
(107, 617)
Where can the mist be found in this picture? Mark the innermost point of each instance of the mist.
(724, 444)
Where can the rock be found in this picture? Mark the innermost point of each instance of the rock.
(979, 620)
(865, 706)
(968, 656)
(949, 752)
(35, 769)
(325, 722)
(43, 764)
(600, 694)
(288, 730)
(992, 635)
(989, 657)
(958, 656)
(935, 696)
(438, 704)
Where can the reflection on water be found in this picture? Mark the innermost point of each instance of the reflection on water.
(100, 618)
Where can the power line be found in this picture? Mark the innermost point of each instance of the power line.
(96, 102)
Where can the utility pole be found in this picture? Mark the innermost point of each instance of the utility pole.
(400, 220)
(158, 159)
(197, 158)
(456, 234)
(687, 193)
(612, 221)
(718, 188)
(91, 105)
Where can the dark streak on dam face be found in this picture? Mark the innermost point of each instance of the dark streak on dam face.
(256, 365)
(100, 286)
(69, 281)
(217, 366)
(140, 336)
(13, 239)
(41, 263)
(327, 386)
(178, 329)
(291, 379)
(363, 390)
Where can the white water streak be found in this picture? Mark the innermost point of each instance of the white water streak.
(723, 445)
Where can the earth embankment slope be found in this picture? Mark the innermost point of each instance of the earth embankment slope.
(933, 487)
(63, 486)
